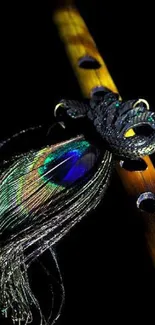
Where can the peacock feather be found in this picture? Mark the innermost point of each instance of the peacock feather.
(43, 194)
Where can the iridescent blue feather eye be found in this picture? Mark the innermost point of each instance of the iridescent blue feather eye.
(69, 163)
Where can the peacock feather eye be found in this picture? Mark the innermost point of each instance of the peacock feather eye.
(67, 164)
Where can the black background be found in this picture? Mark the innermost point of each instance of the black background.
(108, 275)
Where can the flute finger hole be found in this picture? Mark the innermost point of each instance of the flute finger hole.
(133, 165)
(99, 91)
(88, 62)
(146, 202)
